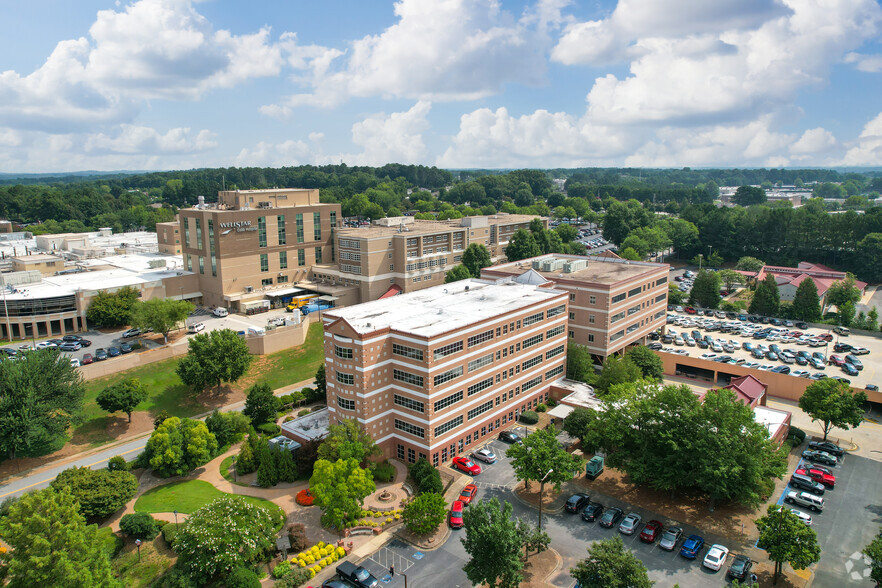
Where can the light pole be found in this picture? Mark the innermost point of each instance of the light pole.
(700, 257)
(541, 492)
(709, 251)
(138, 545)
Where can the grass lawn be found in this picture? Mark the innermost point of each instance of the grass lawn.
(155, 560)
(189, 495)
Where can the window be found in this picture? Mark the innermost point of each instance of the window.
(343, 352)
(213, 265)
(350, 243)
(477, 364)
(318, 254)
(556, 310)
(346, 255)
(572, 316)
(633, 310)
(554, 352)
(299, 223)
(617, 317)
(435, 461)
(187, 232)
(201, 265)
(301, 257)
(659, 314)
(411, 455)
(572, 296)
(478, 410)
(661, 281)
(482, 385)
(411, 429)
(211, 248)
(409, 403)
(347, 379)
(199, 233)
(447, 401)
(592, 299)
(633, 327)
(334, 219)
(264, 262)
(447, 350)
(531, 362)
(280, 221)
(534, 318)
(590, 318)
(261, 231)
(532, 383)
(617, 336)
(534, 340)
(480, 338)
(283, 260)
(266, 282)
(448, 426)
(590, 337)
(447, 376)
(571, 334)
(661, 297)
(282, 279)
(410, 352)
(618, 297)
(635, 291)
(552, 373)
(345, 404)
(316, 226)
(407, 378)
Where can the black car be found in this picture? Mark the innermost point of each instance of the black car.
(85, 343)
(100, 354)
(71, 338)
(830, 448)
(509, 437)
(655, 346)
(592, 512)
(653, 336)
(801, 482)
(842, 347)
(125, 348)
(577, 502)
(611, 517)
(801, 325)
(740, 568)
(702, 344)
(113, 351)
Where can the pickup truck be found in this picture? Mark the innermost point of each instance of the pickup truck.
(356, 575)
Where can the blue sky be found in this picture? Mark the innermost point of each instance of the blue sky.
(175, 84)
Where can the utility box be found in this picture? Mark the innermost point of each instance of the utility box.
(594, 467)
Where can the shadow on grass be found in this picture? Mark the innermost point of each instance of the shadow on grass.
(178, 400)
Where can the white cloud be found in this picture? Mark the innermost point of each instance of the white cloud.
(813, 141)
(867, 63)
(395, 138)
(868, 147)
(134, 139)
(9, 138)
(286, 153)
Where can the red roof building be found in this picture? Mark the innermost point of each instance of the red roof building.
(789, 278)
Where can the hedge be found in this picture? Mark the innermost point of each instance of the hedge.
(529, 417)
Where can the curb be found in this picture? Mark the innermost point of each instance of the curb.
(441, 541)
(558, 566)
(557, 510)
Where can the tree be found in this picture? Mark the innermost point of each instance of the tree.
(749, 195)
(706, 290)
(675, 295)
(139, 525)
(178, 446)
(787, 539)
(213, 358)
(112, 309)
(224, 535)
(475, 257)
(493, 543)
(346, 440)
(161, 314)
(522, 246)
(730, 278)
(457, 273)
(843, 291)
(245, 461)
(610, 565)
(834, 404)
(750, 264)
(644, 358)
(285, 466)
(874, 552)
(870, 250)
(766, 298)
(579, 423)
(260, 404)
(227, 427)
(426, 477)
(873, 319)
(51, 543)
(425, 513)
(267, 473)
(39, 395)
(617, 370)
(806, 303)
(580, 366)
(540, 458)
(339, 489)
(123, 396)
(321, 385)
(100, 493)
(631, 254)
(846, 314)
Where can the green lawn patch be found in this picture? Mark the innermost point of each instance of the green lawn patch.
(292, 365)
(188, 496)
(154, 562)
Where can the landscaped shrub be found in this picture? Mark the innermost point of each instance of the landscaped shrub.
(296, 577)
(169, 533)
(176, 578)
(270, 429)
(243, 578)
(304, 412)
(99, 493)
(117, 463)
(426, 477)
(304, 498)
(289, 418)
(529, 417)
(550, 403)
(797, 435)
(541, 408)
(297, 536)
(317, 407)
(384, 471)
(282, 569)
(245, 462)
(139, 525)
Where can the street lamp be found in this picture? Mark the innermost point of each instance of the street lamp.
(700, 257)
(541, 492)
(138, 545)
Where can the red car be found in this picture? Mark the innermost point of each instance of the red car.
(817, 475)
(690, 310)
(651, 531)
(837, 361)
(467, 494)
(825, 337)
(87, 359)
(466, 465)
(455, 518)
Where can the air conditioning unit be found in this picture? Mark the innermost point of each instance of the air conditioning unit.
(249, 289)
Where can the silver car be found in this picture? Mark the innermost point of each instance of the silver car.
(485, 454)
(630, 524)
(670, 537)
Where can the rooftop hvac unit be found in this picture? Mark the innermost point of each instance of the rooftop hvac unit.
(552, 265)
(574, 266)
(249, 289)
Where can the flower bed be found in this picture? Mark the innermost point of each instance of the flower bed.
(318, 557)
(304, 498)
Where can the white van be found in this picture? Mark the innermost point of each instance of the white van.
(259, 331)
(220, 311)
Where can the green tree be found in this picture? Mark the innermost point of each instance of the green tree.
(843, 291)
(846, 314)
(579, 423)
(51, 545)
(227, 427)
(267, 473)
(339, 489)
(870, 253)
(522, 246)
(580, 366)
(631, 254)
(706, 290)
(214, 358)
(161, 314)
(426, 477)
(787, 539)
(749, 195)
(610, 565)
(493, 542)
(806, 303)
(833, 404)
(749, 264)
(260, 404)
(100, 493)
(139, 525)
(766, 298)
(321, 385)
(39, 395)
(874, 552)
(873, 319)
(617, 370)
(457, 273)
(475, 257)
(346, 440)
(245, 461)
(675, 295)
(730, 278)
(645, 358)
(177, 447)
(425, 513)
(540, 458)
(112, 309)
(285, 467)
(123, 396)
(222, 536)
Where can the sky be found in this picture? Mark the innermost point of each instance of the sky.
(179, 84)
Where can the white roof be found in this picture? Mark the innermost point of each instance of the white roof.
(770, 418)
(445, 308)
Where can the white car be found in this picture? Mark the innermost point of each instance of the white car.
(716, 557)
(679, 341)
(690, 342)
(800, 373)
(807, 519)
(717, 347)
(195, 328)
(708, 355)
(74, 362)
(486, 455)
(678, 308)
(46, 345)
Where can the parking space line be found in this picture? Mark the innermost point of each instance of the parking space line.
(389, 558)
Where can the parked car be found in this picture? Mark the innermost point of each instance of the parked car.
(100, 354)
(196, 327)
(853, 360)
(485, 454)
(131, 333)
(842, 348)
(357, 575)
(125, 347)
(466, 465)
(837, 361)
(716, 557)
(87, 359)
(611, 517)
(692, 546)
(85, 343)
(74, 362)
(577, 502)
(467, 494)
(827, 446)
(800, 482)
(820, 457)
(70, 338)
(113, 351)
(651, 531)
(454, 519)
(630, 523)
(805, 499)
(859, 350)
(850, 369)
(670, 538)
(740, 568)
(70, 346)
(509, 437)
(805, 518)
(592, 511)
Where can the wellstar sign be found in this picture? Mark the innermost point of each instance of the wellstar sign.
(238, 226)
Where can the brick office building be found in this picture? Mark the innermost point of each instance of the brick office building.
(432, 373)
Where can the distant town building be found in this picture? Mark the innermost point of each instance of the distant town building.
(789, 278)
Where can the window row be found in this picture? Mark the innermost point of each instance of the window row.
(554, 352)
(409, 403)
(479, 410)
(477, 364)
(533, 361)
(411, 429)
(447, 376)
(531, 341)
(448, 426)
(405, 351)
(555, 332)
(447, 401)
(448, 350)
(407, 378)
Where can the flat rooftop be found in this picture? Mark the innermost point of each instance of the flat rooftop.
(313, 426)
(607, 271)
(440, 309)
(427, 227)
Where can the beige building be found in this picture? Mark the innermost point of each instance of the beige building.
(168, 237)
(45, 263)
(252, 246)
(613, 303)
(435, 372)
(403, 254)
